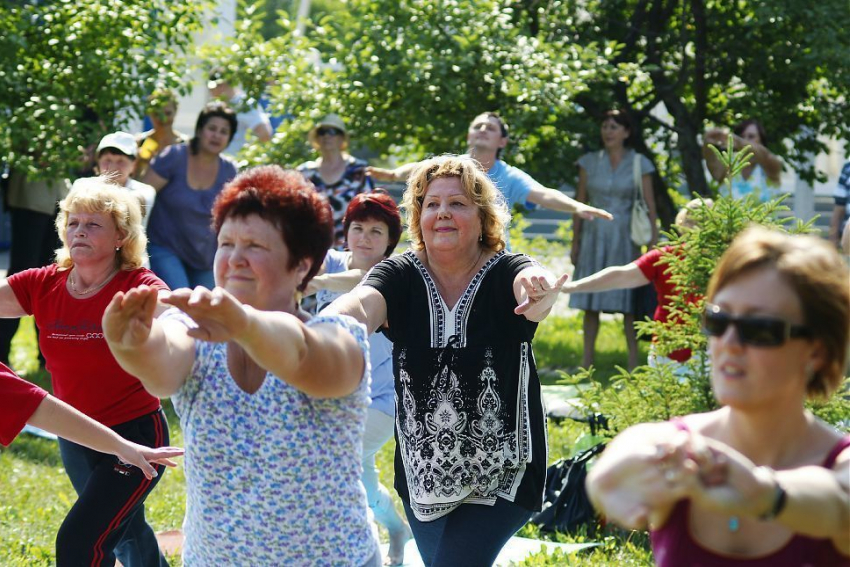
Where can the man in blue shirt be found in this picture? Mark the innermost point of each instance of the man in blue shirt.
(487, 136)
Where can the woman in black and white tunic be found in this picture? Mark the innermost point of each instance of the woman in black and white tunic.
(461, 312)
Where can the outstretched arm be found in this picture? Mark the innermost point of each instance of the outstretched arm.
(613, 277)
(323, 360)
(400, 173)
(557, 201)
(364, 303)
(58, 417)
(159, 353)
(338, 281)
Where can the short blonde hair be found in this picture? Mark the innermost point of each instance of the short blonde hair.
(685, 217)
(97, 195)
(492, 209)
(818, 276)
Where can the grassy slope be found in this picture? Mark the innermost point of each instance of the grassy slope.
(35, 494)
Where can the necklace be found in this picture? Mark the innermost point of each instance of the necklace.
(93, 288)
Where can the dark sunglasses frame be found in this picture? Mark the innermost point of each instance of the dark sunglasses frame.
(752, 330)
(329, 131)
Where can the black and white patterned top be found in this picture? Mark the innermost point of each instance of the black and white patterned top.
(470, 425)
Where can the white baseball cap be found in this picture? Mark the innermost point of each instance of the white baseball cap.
(121, 141)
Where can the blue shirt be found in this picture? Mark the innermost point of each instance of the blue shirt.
(380, 348)
(181, 216)
(514, 183)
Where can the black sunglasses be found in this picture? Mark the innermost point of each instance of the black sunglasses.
(752, 330)
(324, 131)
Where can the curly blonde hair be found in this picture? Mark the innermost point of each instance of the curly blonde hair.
(97, 195)
(492, 209)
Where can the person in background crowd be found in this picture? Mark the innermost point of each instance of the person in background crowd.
(24, 403)
(116, 160)
(487, 137)
(103, 248)
(372, 227)
(461, 313)
(187, 179)
(32, 210)
(606, 179)
(249, 117)
(162, 108)
(336, 174)
(760, 481)
(761, 177)
(272, 405)
(646, 269)
(841, 212)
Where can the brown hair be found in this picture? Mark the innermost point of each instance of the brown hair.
(818, 276)
(490, 202)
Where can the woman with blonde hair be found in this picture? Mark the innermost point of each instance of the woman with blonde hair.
(760, 481)
(461, 313)
(103, 248)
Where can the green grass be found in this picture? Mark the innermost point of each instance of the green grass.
(35, 494)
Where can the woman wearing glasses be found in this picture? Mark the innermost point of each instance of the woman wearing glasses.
(760, 481)
(336, 174)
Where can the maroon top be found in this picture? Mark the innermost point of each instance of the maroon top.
(674, 546)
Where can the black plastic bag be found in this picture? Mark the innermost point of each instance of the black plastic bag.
(565, 503)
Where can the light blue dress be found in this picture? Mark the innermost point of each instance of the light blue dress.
(608, 243)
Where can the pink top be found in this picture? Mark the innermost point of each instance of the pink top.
(674, 546)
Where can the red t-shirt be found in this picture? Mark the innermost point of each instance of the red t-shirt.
(84, 372)
(18, 401)
(655, 272)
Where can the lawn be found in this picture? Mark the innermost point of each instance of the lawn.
(35, 494)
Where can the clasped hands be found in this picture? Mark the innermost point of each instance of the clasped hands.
(709, 473)
(219, 316)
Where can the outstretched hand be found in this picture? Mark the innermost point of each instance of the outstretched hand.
(380, 174)
(142, 457)
(541, 295)
(219, 315)
(742, 488)
(641, 481)
(128, 318)
(589, 213)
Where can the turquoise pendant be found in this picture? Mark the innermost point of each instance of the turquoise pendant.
(734, 523)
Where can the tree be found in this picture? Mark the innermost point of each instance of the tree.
(71, 71)
(408, 77)
(711, 61)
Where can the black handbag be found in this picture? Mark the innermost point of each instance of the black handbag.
(566, 505)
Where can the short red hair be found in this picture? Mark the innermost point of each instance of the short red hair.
(289, 202)
(378, 206)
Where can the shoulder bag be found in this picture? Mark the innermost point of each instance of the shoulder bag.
(641, 226)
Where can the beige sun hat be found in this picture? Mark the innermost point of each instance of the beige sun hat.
(329, 121)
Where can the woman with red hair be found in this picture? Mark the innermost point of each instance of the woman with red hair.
(372, 228)
(272, 406)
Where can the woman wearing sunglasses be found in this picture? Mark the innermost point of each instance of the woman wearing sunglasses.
(336, 174)
(760, 481)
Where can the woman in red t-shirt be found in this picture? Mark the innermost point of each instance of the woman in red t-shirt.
(100, 226)
(760, 481)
